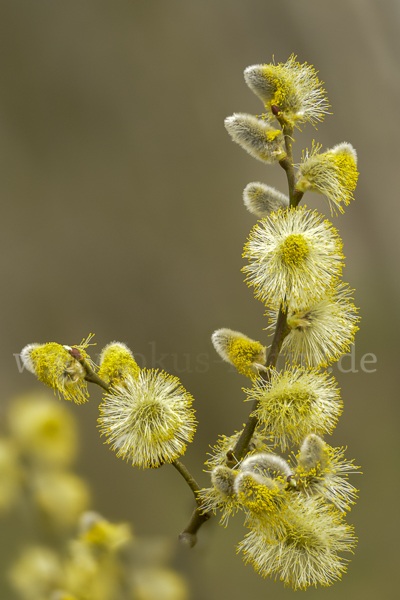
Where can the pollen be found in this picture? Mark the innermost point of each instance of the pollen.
(333, 174)
(282, 87)
(55, 367)
(247, 355)
(297, 399)
(257, 497)
(256, 136)
(293, 87)
(243, 354)
(273, 135)
(347, 169)
(116, 363)
(148, 419)
(294, 250)
(294, 257)
(301, 538)
(296, 402)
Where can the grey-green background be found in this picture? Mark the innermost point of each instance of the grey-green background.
(121, 214)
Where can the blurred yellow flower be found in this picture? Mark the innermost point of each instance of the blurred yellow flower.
(36, 573)
(159, 584)
(43, 429)
(61, 495)
(97, 531)
(10, 474)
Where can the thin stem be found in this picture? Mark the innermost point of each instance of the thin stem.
(287, 163)
(92, 377)
(281, 331)
(192, 483)
(282, 328)
(297, 196)
(189, 534)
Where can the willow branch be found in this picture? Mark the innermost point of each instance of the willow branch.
(190, 480)
(287, 163)
(189, 534)
(281, 331)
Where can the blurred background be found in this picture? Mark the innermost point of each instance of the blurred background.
(122, 216)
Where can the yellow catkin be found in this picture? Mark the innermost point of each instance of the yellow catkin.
(117, 363)
(294, 249)
(243, 353)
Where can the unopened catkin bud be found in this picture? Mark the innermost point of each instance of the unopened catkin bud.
(247, 355)
(313, 453)
(261, 200)
(268, 465)
(223, 479)
(260, 81)
(323, 471)
(257, 137)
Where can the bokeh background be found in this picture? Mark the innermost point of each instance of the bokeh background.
(121, 214)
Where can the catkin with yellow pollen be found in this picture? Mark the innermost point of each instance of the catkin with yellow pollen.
(332, 173)
(54, 365)
(294, 403)
(247, 355)
(304, 549)
(321, 332)
(148, 419)
(293, 88)
(116, 363)
(294, 257)
(257, 137)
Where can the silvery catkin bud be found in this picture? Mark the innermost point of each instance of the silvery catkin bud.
(257, 137)
(261, 200)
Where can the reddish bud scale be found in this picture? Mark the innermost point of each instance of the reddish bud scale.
(74, 352)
